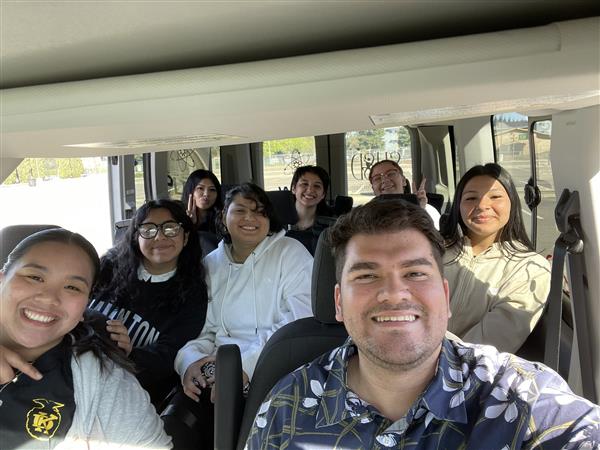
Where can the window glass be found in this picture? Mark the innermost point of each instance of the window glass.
(365, 148)
(512, 153)
(282, 157)
(69, 192)
(546, 225)
(180, 163)
(138, 173)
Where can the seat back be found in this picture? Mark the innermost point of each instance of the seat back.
(284, 204)
(208, 242)
(299, 342)
(343, 204)
(11, 235)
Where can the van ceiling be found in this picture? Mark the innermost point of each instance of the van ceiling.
(51, 42)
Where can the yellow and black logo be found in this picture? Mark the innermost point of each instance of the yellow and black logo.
(44, 419)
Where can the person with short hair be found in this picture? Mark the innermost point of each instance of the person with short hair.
(398, 382)
(387, 177)
(497, 280)
(258, 280)
(63, 383)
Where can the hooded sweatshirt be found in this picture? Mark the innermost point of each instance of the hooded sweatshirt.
(248, 302)
(495, 299)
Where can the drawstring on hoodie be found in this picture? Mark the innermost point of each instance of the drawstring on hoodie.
(253, 294)
(223, 301)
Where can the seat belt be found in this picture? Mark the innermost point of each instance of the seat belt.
(570, 241)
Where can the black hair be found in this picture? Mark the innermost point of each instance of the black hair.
(118, 272)
(322, 208)
(188, 189)
(382, 215)
(249, 191)
(454, 229)
(89, 334)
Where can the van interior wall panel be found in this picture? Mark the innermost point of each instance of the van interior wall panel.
(7, 166)
(473, 139)
(576, 166)
(553, 66)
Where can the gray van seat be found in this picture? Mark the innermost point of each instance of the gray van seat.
(11, 235)
(290, 347)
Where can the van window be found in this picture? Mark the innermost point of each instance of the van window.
(68, 192)
(282, 157)
(365, 148)
(180, 163)
(546, 225)
(512, 152)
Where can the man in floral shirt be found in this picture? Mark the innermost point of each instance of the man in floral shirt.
(399, 382)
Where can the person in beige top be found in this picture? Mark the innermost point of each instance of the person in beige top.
(498, 284)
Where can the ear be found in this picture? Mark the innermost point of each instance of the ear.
(337, 294)
(185, 238)
(447, 297)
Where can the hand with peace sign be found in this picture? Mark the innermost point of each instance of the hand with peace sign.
(420, 193)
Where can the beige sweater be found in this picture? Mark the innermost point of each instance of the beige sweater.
(496, 299)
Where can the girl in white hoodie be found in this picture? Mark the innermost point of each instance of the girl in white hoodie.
(258, 280)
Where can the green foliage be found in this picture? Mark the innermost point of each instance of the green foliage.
(365, 140)
(70, 167)
(286, 146)
(35, 168)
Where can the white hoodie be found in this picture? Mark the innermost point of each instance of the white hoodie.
(248, 302)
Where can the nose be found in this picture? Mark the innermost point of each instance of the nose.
(394, 289)
(48, 294)
(483, 203)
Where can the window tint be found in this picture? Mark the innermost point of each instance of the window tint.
(364, 148)
(282, 157)
(68, 192)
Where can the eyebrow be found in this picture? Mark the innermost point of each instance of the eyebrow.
(45, 269)
(368, 265)
(473, 191)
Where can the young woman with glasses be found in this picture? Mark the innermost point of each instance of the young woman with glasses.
(386, 177)
(152, 289)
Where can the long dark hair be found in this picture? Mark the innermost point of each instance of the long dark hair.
(322, 208)
(89, 334)
(118, 272)
(188, 189)
(249, 191)
(513, 237)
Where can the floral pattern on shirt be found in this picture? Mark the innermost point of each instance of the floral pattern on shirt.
(478, 399)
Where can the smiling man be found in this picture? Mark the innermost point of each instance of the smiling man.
(399, 382)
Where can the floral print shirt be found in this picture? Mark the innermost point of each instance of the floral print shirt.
(478, 399)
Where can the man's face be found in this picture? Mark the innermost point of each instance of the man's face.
(387, 179)
(392, 298)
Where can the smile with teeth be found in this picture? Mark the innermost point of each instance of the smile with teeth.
(407, 318)
(38, 317)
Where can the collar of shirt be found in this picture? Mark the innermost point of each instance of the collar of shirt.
(144, 275)
(443, 399)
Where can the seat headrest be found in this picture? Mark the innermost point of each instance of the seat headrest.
(323, 282)
(284, 204)
(11, 235)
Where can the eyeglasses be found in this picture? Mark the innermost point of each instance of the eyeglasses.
(149, 230)
(390, 175)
